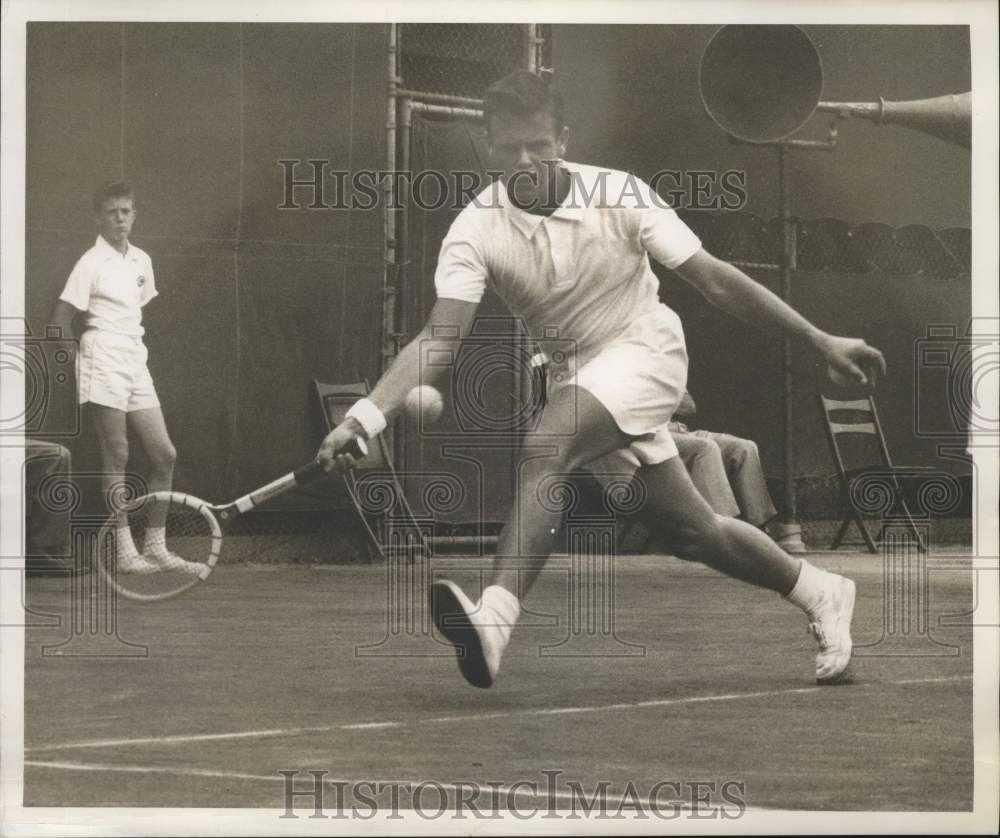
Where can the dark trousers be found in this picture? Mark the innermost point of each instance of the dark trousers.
(47, 473)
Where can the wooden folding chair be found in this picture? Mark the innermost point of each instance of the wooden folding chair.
(858, 417)
(335, 400)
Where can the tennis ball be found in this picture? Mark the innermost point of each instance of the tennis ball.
(424, 403)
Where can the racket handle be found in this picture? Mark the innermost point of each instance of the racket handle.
(314, 470)
(300, 476)
(358, 448)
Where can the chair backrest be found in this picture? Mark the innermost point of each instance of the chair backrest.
(335, 400)
(849, 425)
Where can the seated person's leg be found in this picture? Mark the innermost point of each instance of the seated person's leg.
(46, 466)
(703, 460)
(746, 477)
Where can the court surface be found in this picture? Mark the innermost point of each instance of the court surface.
(705, 680)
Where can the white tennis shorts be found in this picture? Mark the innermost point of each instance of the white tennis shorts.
(640, 378)
(111, 371)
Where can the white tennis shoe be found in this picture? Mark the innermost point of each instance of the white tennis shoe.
(471, 629)
(163, 560)
(831, 626)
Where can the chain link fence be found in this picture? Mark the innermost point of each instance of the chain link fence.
(460, 59)
(829, 244)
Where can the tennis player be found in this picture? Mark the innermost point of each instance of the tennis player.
(568, 246)
(109, 285)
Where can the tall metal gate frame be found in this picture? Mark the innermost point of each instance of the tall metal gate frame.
(402, 103)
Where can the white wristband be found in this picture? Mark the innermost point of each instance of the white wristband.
(371, 419)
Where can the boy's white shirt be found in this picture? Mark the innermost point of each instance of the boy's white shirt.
(111, 288)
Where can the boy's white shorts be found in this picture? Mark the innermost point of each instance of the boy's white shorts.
(111, 371)
(640, 378)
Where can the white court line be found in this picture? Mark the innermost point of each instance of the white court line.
(506, 714)
(150, 769)
(506, 791)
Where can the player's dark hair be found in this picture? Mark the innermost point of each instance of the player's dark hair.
(522, 94)
(110, 191)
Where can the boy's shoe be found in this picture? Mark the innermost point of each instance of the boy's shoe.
(135, 563)
(163, 560)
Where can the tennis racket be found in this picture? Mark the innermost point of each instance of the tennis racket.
(191, 537)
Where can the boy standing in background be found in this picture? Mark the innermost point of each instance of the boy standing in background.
(109, 285)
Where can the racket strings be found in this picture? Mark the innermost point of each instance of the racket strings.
(167, 547)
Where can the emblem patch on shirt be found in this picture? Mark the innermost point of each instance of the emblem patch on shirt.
(140, 280)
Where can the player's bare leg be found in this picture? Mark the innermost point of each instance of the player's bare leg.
(574, 429)
(112, 437)
(151, 430)
(677, 513)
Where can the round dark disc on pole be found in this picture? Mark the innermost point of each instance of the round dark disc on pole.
(760, 84)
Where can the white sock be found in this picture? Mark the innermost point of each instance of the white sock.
(124, 543)
(156, 540)
(504, 607)
(809, 588)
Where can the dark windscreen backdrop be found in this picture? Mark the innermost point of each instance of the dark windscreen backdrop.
(254, 300)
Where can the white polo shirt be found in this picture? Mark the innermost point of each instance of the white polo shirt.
(584, 269)
(111, 288)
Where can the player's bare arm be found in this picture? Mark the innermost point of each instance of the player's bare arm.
(404, 374)
(728, 288)
(62, 318)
